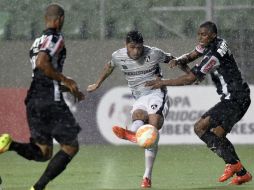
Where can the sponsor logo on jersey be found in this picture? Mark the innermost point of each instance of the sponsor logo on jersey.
(147, 58)
(133, 73)
(154, 106)
(210, 64)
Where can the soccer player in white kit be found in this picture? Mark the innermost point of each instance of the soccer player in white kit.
(140, 64)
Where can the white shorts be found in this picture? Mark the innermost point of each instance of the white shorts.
(155, 103)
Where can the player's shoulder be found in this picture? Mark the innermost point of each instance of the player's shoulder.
(152, 50)
(221, 41)
(120, 53)
(222, 46)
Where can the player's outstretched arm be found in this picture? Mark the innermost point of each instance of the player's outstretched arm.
(186, 79)
(108, 69)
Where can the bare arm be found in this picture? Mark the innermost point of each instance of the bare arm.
(43, 63)
(108, 69)
(186, 79)
(182, 61)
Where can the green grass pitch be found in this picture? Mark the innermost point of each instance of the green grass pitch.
(100, 167)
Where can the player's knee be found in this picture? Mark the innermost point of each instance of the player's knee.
(140, 115)
(45, 156)
(156, 120)
(40, 153)
(199, 128)
(70, 150)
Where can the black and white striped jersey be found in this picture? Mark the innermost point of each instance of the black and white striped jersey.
(51, 42)
(138, 72)
(220, 63)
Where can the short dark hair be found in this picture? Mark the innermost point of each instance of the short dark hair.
(54, 10)
(210, 26)
(134, 36)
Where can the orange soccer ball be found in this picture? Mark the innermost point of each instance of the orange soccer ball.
(147, 136)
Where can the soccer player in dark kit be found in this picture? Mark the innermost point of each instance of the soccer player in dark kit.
(213, 127)
(47, 113)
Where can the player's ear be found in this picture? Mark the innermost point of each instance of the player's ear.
(214, 35)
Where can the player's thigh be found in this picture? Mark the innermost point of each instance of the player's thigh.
(158, 106)
(225, 114)
(65, 128)
(37, 117)
(202, 125)
(157, 103)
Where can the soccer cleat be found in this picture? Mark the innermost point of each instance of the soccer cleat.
(146, 183)
(239, 180)
(124, 134)
(230, 170)
(5, 142)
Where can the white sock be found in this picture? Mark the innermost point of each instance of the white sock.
(150, 155)
(135, 125)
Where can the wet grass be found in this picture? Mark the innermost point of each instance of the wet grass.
(180, 167)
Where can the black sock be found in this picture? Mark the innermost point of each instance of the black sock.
(242, 172)
(29, 151)
(231, 148)
(56, 166)
(217, 145)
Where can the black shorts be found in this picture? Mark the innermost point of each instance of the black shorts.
(48, 120)
(227, 113)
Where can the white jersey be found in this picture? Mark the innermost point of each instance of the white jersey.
(138, 72)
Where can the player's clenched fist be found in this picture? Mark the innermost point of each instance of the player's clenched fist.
(92, 87)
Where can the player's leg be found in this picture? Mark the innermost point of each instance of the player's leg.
(242, 176)
(40, 146)
(218, 145)
(157, 107)
(151, 153)
(65, 130)
(212, 129)
(32, 150)
(57, 165)
(139, 117)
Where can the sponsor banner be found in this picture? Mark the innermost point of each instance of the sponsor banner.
(187, 105)
(13, 114)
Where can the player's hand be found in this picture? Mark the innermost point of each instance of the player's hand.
(155, 84)
(72, 87)
(92, 87)
(79, 96)
(172, 63)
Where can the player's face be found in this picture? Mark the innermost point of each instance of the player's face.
(134, 50)
(205, 37)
